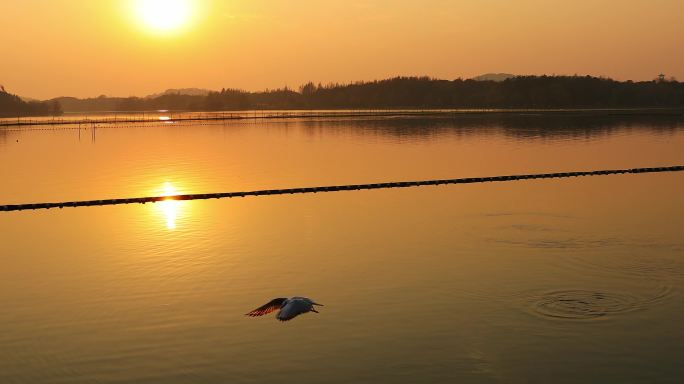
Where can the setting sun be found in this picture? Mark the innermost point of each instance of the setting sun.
(163, 15)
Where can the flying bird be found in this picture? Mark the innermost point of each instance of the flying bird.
(288, 309)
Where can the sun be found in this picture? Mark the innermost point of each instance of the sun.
(164, 16)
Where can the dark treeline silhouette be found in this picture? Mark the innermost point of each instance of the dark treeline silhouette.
(13, 106)
(416, 92)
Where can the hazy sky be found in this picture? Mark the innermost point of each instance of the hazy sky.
(90, 47)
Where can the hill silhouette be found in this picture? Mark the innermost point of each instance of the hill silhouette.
(181, 91)
(494, 77)
(13, 106)
(538, 92)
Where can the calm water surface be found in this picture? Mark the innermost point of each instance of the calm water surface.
(570, 281)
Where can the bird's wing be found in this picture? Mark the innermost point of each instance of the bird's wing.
(271, 306)
(293, 308)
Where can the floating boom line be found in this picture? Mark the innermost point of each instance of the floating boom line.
(170, 117)
(336, 188)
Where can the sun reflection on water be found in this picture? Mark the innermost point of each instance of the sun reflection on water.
(169, 207)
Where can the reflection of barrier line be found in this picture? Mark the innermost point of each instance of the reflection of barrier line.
(335, 188)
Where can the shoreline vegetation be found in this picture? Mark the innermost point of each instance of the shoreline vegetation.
(13, 106)
(417, 93)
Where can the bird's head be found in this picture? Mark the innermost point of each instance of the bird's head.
(313, 308)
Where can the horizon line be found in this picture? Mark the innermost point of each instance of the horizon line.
(287, 86)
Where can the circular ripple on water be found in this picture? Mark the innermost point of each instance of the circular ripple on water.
(581, 304)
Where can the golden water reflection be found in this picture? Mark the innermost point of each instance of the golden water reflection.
(161, 289)
(171, 209)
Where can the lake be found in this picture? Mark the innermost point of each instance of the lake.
(567, 281)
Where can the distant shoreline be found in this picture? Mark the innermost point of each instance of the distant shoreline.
(520, 92)
(548, 94)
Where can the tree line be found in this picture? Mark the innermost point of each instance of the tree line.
(411, 92)
(13, 106)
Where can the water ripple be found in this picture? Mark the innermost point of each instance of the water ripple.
(578, 304)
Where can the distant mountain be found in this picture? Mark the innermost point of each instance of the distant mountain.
(409, 92)
(13, 106)
(96, 104)
(181, 91)
(25, 99)
(494, 77)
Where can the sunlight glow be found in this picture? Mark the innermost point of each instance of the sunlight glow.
(163, 16)
(170, 207)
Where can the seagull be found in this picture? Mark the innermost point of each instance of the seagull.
(288, 308)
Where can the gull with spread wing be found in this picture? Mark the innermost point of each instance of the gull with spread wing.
(287, 309)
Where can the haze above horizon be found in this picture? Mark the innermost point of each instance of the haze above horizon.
(139, 47)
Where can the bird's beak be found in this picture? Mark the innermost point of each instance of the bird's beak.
(319, 304)
(314, 311)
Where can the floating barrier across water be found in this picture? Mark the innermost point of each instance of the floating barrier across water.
(139, 118)
(336, 188)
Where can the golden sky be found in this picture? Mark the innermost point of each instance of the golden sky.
(91, 47)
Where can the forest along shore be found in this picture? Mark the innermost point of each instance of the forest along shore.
(414, 93)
